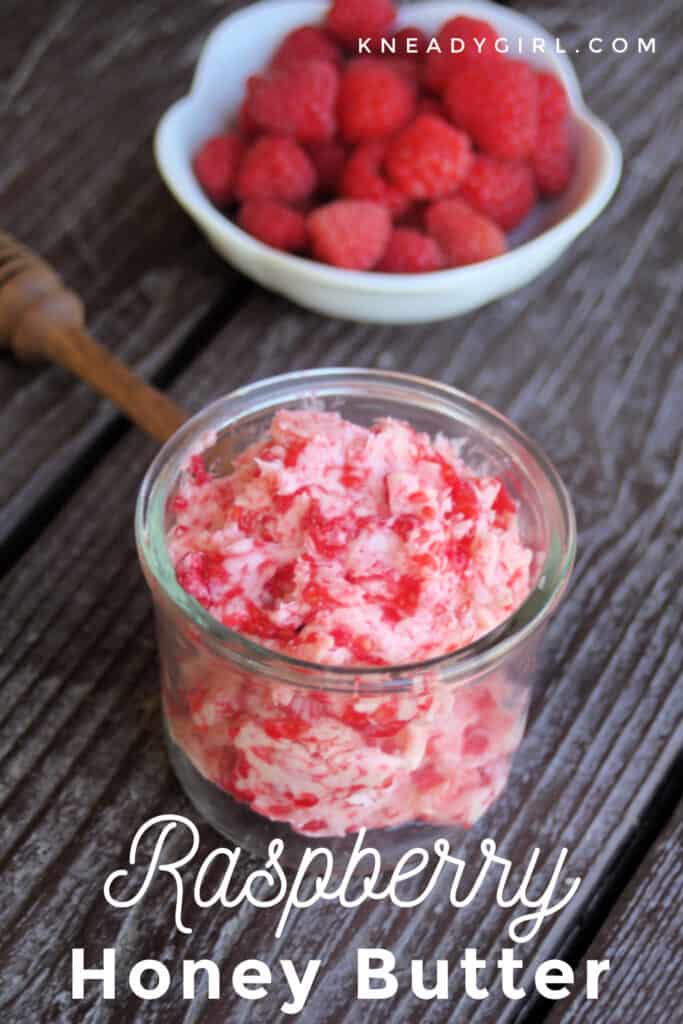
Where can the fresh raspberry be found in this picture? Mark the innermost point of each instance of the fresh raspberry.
(410, 252)
(349, 20)
(552, 99)
(246, 126)
(503, 190)
(407, 68)
(350, 233)
(310, 42)
(410, 42)
(373, 101)
(552, 158)
(468, 39)
(429, 159)
(497, 104)
(274, 223)
(297, 100)
(464, 235)
(363, 179)
(215, 165)
(329, 159)
(275, 167)
(462, 41)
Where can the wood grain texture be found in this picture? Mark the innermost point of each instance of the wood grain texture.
(83, 86)
(588, 360)
(643, 940)
(82, 763)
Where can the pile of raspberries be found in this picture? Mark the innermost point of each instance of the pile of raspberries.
(404, 162)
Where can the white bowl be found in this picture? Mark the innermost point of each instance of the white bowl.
(241, 45)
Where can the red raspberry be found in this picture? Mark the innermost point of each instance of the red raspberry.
(275, 167)
(457, 32)
(410, 42)
(552, 158)
(407, 68)
(350, 233)
(496, 102)
(310, 42)
(297, 100)
(246, 126)
(350, 20)
(363, 179)
(373, 101)
(329, 159)
(215, 164)
(552, 99)
(429, 159)
(503, 190)
(464, 235)
(274, 223)
(410, 252)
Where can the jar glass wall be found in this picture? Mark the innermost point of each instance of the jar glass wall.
(267, 746)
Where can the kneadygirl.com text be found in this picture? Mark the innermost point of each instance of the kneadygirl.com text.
(513, 46)
(219, 880)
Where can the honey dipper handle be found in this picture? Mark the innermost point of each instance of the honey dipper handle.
(39, 317)
(75, 350)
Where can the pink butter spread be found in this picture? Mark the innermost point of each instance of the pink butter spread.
(347, 546)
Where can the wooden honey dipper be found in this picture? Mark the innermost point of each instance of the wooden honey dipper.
(40, 318)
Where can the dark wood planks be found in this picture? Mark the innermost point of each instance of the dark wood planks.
(643, 939)
(83, 766)
(588, 359)
(83, 86)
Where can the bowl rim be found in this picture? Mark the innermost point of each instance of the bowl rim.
(200, 208)
(464, 663)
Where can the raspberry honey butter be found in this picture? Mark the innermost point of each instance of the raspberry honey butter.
(350, 570)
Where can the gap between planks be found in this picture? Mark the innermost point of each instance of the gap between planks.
(620, 874)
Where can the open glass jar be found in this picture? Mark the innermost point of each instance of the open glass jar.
(267, 746)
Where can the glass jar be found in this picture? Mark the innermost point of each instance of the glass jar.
(267, 746)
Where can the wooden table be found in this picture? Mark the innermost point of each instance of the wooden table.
(587, 359)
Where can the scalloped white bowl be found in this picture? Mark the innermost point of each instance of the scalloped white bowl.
(240, 46)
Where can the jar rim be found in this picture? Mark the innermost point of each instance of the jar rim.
(470, 660)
